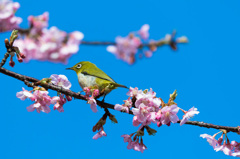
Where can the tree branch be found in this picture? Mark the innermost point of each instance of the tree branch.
(4, 59)
(27, 80)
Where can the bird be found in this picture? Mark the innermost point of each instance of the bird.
(89, 75)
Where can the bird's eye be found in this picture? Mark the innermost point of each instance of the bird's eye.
(79, 66)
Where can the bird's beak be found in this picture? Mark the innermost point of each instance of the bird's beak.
(69, 68)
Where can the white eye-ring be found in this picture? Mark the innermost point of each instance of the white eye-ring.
(79, 66)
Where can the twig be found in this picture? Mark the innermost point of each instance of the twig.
(4, 59)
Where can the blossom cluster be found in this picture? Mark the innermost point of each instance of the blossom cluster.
(127, 47)
(46, 44)
(135, 145)
(8, 20)
(147, 109)
(42, 100)
(228, 148)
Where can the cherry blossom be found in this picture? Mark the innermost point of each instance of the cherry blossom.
(8, 20)
(125, 48)
(46, 44)
(100, 134)
(143, 32)
(133, 92)
(59, 101)
(42, 102)
(189, 114)
(125, 107)
(24, 94)
(93, 104)
(60, 80)
(210, 139)
(38, 22)
(169, 114)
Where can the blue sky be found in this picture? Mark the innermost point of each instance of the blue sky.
(205, 72)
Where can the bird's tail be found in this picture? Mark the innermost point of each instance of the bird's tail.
(119, 85)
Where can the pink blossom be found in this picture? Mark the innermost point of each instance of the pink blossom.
(236, 147)
(128, 103)
(95, 93)
(24, 94)
(28, 47)
(38, 22)
(210, 139)
(135, 121)
(61, 80)
(148, 53)
(125, 48)
(143, 115)
(133, 92)
(143, 32)
(93, 104)
(100, 134)
(169, 114)
(159, 115)
(121, 108)
(87, 91)
(189, 114)
(225, 148)
(59, 101)
(141, 112)
(8, 20)
(142, 146)
(72, 45)
(48, 44)
(135, 145)
(127, 138)
(148, 99)
(42, 102)
(39, 107)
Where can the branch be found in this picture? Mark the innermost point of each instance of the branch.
(4, 59)
(27, 80)
(158, 43)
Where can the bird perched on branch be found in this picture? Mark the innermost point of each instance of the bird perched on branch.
(89, 75)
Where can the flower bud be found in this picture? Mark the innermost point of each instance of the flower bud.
(22, 55)
(6, 41)
(173, 95)
(12, 63)
(20, 59)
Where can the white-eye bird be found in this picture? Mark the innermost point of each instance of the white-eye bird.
(89, 75)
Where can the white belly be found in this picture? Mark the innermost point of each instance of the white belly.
(86, 81)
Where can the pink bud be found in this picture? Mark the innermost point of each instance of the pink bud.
(159, 124)
(11, 63)
(22, 55)
(20, 59)
(95, 93)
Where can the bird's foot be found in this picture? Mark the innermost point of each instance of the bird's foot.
(104, 97)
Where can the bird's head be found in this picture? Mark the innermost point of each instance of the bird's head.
(79, 67)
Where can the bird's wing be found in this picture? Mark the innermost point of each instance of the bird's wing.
(98, 73)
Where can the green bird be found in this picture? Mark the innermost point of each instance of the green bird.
(89, 75)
